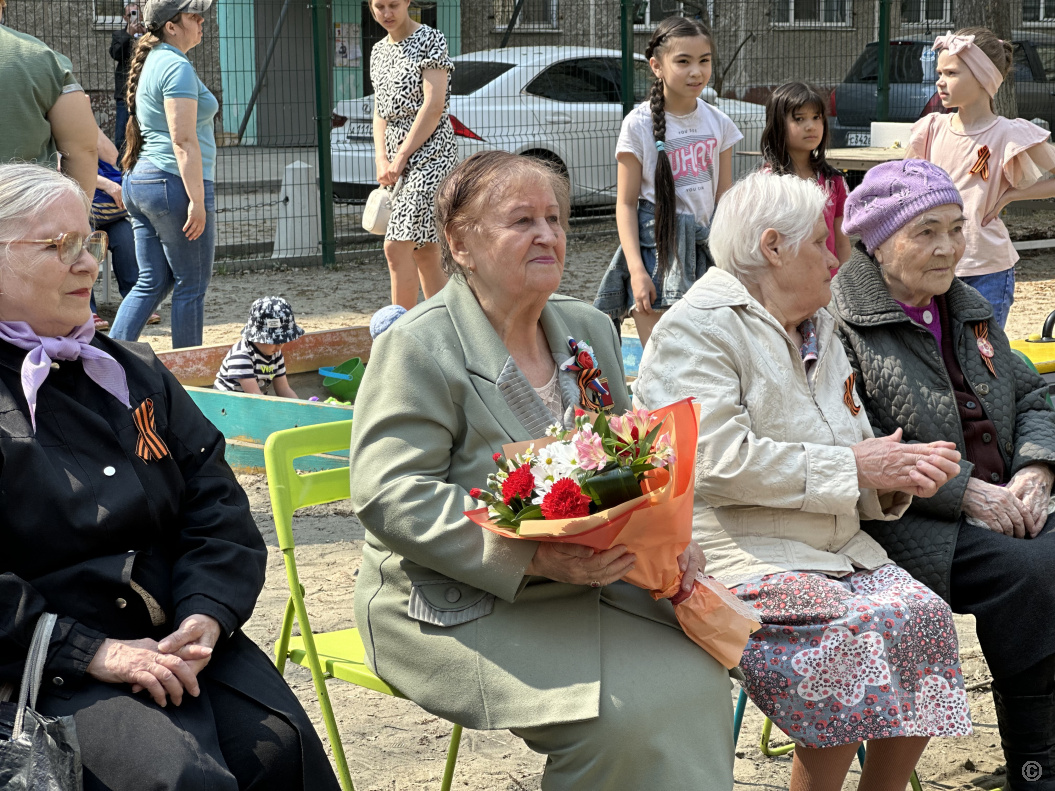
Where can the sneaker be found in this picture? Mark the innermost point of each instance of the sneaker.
(101, 324)
(154, 319)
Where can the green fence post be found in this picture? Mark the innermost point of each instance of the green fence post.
(320, 26)
(626, 30)
(883, 82)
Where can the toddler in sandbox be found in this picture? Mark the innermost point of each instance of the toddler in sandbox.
(256, 361)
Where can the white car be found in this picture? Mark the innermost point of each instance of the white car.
(561, 104)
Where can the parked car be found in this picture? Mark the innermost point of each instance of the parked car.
(561, 104)
(853, 102)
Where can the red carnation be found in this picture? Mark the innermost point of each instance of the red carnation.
(497, 457)
(565, 501)
(520, 483)
(475, 493)
(579, 412)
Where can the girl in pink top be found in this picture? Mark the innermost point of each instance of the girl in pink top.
(992, 160)
(795, 141)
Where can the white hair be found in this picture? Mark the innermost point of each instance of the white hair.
(28, 191)
(788, 204)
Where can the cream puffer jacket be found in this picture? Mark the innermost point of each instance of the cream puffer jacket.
(776, 480)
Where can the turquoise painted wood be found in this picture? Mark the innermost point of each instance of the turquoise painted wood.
(246, 421)
(631, 355)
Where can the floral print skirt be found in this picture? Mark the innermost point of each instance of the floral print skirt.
(841, 660)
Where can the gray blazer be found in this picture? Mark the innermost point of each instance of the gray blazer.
(444, 608)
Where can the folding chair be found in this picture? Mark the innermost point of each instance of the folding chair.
(337, 654)
(772, 752)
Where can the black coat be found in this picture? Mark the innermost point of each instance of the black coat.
(120, 547)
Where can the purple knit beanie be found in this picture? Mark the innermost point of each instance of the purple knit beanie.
(891, 195)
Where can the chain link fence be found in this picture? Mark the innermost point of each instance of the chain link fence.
(538, 77)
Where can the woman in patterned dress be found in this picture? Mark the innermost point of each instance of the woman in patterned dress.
(413, 141)
(851, 648)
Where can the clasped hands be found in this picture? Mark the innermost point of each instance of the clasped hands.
(165, 669)
(1018, 509)
(886, 463)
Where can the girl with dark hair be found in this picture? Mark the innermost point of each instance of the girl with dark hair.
(664, 203)
(992, 160)
(794, 142)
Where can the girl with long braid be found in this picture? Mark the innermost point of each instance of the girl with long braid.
(170, 158)
(664, 203)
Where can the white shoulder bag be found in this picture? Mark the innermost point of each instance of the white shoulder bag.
(379, 208)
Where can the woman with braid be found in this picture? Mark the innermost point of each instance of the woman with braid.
(664, 203)
(170, 156)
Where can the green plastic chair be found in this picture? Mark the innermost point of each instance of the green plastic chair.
(773, 752)
(339, 654)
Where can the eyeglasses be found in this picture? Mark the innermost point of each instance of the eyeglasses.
(70, 245)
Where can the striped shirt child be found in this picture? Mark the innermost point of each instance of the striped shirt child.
(245, 361)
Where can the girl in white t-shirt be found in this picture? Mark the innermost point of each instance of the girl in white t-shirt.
(992, 160)
(664, 203)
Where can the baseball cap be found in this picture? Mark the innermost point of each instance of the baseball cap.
(157, 12)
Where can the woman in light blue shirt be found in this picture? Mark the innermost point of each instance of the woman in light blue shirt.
(171, 155)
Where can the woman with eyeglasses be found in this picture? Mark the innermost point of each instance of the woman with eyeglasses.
(170, 159)
(119, 514)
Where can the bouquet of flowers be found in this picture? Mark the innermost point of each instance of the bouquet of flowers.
(629, 480)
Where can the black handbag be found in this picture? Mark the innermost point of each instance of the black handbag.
(37, 753)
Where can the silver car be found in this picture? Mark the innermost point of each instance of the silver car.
(561, 104)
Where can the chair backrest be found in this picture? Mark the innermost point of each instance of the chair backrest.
(290, 490)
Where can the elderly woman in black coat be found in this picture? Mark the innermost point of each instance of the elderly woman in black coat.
(929, 359)
(119, 513)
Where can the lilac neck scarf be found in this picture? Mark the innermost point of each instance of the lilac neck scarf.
(101, 368)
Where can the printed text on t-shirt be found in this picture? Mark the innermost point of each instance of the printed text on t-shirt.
(691, 158)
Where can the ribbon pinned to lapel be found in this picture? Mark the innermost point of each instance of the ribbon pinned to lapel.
(985, 348)
(981, 167)
(848, 394)
(150, 446)
(583, 363)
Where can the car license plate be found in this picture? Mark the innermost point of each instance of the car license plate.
(360, 131)
(859, 139)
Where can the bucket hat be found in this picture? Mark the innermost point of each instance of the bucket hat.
(157, 12)
(271, 320)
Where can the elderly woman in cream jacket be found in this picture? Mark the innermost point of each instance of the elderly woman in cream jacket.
(787, 466)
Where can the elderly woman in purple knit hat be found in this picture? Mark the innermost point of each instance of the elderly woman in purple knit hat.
(930, 361)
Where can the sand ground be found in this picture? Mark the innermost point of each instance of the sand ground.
(391, 744)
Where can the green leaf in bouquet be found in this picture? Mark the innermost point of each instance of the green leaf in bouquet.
(529, 512)
(612, 487)
(506, 513)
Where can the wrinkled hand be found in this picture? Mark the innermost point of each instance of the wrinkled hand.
(999, 508)
(195, 225)
(691, 562)
(138, 662)
(1032, 485)
(580, 565)
(918, 469)
(196, 630)
(644, 291)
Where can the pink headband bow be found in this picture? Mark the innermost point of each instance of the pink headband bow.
(977, 61)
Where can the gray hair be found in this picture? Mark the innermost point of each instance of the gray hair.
(26, 191)
(788, 204)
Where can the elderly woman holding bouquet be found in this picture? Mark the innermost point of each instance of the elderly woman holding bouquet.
(932, 361)
(851, 647)
(492, 632)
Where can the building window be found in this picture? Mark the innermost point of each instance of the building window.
(811, 12)
(109, 12)
(534, 14)
(649, 13)
(926, 12)
(1038, 10)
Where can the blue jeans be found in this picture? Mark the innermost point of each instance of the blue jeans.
(168, 261)
(120, 122)
(123, 255)
(998, 288)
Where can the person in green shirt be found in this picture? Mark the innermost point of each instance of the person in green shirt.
(46, 112)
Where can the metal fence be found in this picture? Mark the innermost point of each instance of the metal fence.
(541, 77)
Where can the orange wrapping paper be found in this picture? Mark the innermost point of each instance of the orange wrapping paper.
(656, 527)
